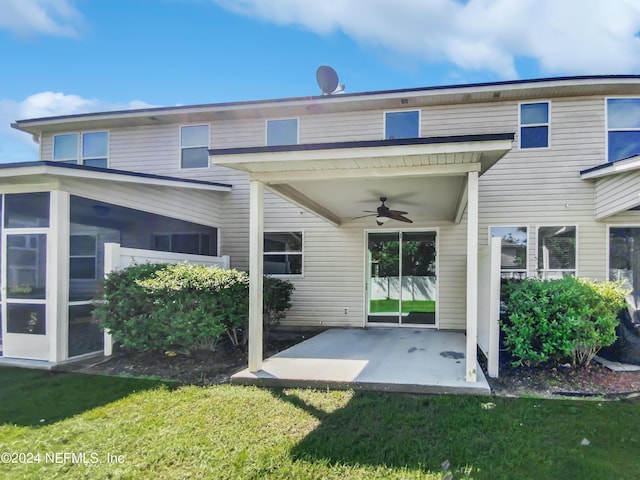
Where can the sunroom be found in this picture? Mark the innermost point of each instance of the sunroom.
(55, 220)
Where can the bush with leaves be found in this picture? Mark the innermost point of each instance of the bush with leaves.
(556, 320)
(183, 307)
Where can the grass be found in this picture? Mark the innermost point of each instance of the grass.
(391, 306)
(154, 431)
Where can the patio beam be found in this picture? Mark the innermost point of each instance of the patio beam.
(472, 276)
(462, 202)
(301, 200)
(287, 176)
(256, 234)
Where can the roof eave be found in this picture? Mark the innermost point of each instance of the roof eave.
(56, 169)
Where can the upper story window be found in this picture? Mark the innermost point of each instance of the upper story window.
(88, 148)
(534, 125)
(194, 146)
(282, 132)
(402, 125)
(513, 257)
(623, 128)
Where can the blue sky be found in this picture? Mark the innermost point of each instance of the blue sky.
(74, 56)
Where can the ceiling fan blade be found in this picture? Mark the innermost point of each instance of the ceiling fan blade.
(397, 212)
(401, 218)
(364, 216)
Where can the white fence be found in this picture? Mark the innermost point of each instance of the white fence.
(413, 288)
(117, 258)
(489, 304)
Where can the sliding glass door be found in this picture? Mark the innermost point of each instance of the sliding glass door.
(402, 282)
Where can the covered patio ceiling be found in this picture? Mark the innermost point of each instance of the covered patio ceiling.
(425, 177)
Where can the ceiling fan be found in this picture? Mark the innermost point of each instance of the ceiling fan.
(384, 214)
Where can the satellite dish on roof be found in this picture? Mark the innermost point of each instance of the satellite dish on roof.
(327, 79)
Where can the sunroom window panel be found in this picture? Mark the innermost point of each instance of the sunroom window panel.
(25, 210)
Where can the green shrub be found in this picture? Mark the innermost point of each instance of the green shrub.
(552, 321)
(184, 307)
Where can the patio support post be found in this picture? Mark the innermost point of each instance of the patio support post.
(472, 276)
(256, 234)
(58, 277)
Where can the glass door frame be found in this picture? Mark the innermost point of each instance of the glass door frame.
(22, 345)
(367, 278)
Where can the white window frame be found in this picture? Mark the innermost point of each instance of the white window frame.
(301, 253)
(207, 146)
(81, 147)
(541, 272)
(529, 125)
(606, 121)
(266, 130)
(94, 256)
(75, 159)
(511, 271)
(384, 120)
(79, 159)
(171, 234)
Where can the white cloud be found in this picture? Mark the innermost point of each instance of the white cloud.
(51, 17)
(563, 36)
(46, 104)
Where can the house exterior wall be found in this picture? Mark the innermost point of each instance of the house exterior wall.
(528, 187)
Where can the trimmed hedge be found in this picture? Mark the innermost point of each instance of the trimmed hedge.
(555, 321)
(184, 307)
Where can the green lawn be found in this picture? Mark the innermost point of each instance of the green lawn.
(391, 306)
(152, 431)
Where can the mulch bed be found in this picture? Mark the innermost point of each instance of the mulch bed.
(203, 368)
(565, 381)
(208, 368)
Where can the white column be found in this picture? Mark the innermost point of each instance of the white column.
(256, 234)
(472, 276)
(111, 263)
(58, 277)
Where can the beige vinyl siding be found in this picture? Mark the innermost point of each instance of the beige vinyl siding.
(193, 206)
(527, 187)
(616, 193)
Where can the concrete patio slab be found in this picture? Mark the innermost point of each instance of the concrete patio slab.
(384, 359)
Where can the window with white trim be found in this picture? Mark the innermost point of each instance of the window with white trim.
(623, 128)
(82, 257)
(282, 132)
(87, 148)
(513, 253)
(191, 243)
(556, 251)
(194, 146)
(404, 124)
(534, 125)
(283, 253)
